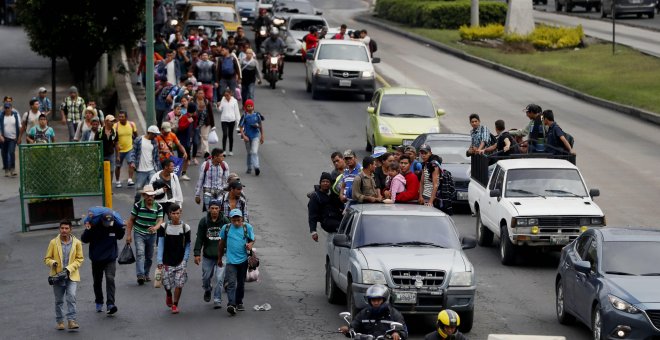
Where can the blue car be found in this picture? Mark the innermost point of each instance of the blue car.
(609, 279)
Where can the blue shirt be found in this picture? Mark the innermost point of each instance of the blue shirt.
(95, 216)
(251, 123)
(44, 104)
(348, 178)
(236, 241)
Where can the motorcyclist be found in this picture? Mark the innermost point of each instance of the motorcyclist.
(447, 327)
(274, 44)
(376, 319)
(262, 20)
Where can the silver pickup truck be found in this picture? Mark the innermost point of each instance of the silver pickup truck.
(414, 250)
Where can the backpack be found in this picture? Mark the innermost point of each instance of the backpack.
(373, 46)
(446, 192)
(569, 138)
(227, 66)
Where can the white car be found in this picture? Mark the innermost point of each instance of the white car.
(297, 27)
(340, 66)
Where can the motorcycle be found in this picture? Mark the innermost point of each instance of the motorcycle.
(261, 34)
(273, 61)
(395, 327)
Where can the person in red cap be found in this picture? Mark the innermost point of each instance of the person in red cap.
(252, 132)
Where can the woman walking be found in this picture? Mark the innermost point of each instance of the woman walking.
(251, 74)
(205, 120)
(230, 115)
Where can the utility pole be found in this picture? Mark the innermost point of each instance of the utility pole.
(613, 27)
(53, 74)
(474, 13)
(151, 111)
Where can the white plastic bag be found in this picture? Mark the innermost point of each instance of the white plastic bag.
(213, 136)
(252, 275)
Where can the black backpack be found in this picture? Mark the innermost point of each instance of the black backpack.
(373, 46)
(446, 192)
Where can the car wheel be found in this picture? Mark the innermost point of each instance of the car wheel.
(569, 7)
(588, 8)
(308, 86)
(597, 8)
(639, 15)
(332, 292)
(545, 2)
(467, 319)
(368, 96)
(596, 323)
(350, 304)
(369, 146)
(651, 15)
(558, 6)
(316, 94)
(484, 235)
(563, 316)
(507, 249)
(603, 14)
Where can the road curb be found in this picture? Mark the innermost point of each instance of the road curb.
(628, 110)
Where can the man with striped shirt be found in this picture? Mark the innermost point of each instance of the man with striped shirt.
(146, 218)
(213, 176)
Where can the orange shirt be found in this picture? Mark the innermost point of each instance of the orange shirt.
(166, 145)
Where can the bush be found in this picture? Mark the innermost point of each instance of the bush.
(549, 37)
(439, 14)
(492, 31)
(514, 38)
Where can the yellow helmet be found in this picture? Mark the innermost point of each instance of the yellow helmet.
(447, 318)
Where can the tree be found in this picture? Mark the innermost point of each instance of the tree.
(81, 30)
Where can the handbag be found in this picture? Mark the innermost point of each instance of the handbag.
(213, 136)
(126, 256)
(158, 278)
(253, 261)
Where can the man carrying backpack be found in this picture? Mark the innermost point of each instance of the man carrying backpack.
(229, 72)
(324, 207)
(213, 176)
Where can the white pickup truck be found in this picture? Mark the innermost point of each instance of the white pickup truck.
(534, 202)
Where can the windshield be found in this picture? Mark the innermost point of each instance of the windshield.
(624, 257)
(451, 151)
(404, 105)
(386, 229)
(295, 7)
(305, 24)
(343, 52)
(215, 16)
(266, 2)
(208, 30)
(544, 182)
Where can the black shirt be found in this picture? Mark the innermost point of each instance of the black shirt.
(108, 142)
(381, 177)
(176, 239)
(500, 143)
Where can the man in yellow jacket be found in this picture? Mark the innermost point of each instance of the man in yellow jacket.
(64, 258)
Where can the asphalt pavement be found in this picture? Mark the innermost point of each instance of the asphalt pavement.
(627, 20)
(616, 153)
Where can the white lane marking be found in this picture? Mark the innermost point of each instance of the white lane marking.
(297, 118)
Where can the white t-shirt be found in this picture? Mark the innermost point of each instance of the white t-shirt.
(146, 156)
(32, 119)
(10, 127)
(171, 73)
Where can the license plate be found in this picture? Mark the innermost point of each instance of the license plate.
(405, 297)
(462, 195)
(407, 142)
(344, 83)
(559, 240)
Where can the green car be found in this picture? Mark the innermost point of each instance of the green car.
(397, 115)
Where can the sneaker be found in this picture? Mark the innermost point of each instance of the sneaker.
(217, 304)
(130, 182)
(73, 324)
(175, 310)
(207, 296)
(147, 278)
(240, 307)
(257, 172)
(185, 177)
(140, 279)
(112, 309)
(99, 307)
(249, 171)
(60, 326)
(231, 153)
(231, 310)
(13, 173)
(168, 301)
(117, 184)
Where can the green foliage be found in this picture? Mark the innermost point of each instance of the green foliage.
(550, 37)
(492, 31)
(81, 30)
(439, 14)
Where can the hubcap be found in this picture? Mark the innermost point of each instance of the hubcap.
(597, 325)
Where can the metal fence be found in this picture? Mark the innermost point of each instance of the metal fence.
(59, 170)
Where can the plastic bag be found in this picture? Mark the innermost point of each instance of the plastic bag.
(213, 136)
(158, 278)
(126, 256)
(252, 275)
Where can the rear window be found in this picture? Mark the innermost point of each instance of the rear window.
(305, 24)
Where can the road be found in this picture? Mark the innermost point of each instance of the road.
(616, 153)
(629, 20)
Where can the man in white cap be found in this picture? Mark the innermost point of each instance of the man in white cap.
(146, 218)
(45, 105)
(145, 157)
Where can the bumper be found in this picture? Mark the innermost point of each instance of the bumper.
(635, 9)
(392, 141)
(357, 85)
(553, 237)
(460, 299)
(635, 326)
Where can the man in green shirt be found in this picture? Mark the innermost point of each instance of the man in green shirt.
(146, 218)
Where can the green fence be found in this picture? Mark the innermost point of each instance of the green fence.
(50, 173)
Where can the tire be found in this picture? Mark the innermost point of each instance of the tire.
(368, 97)
(332, 292)
(639, 15)
(597, 8)
(588, 8)
(596, 324)
(467, 319)
(563, 316)
(507, 249)
(603, 14)
(308, 86)
(558, 6)
(350, 304)
(484, 235)
(651, 15)
(569, 7)
(316, 94)
(545, 2)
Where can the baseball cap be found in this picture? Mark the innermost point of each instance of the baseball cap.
(235, 185)
(411, 148)
(215, 202)
(235, 212)
(73, 89)
(200, 27)
(425, 148)
(108, 220)
(349, 153)
(42, 90)
(166, 126)
(110, 118)
(379, 151)
(214, 43)
(153, 129)
(148, 189)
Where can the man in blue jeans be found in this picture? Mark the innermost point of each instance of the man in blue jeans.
(252, 132)
(237, 239)
(146, 218)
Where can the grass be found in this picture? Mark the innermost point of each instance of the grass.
(628, 77)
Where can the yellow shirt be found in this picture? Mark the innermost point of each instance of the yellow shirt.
(125, 135)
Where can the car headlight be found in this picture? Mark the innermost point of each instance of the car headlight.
(244, 19)
(322, 72)
(373, 277)
(434, 129)
(521, 222)
(597, 220)
(367, 74)
(461, 279)
(384, 130)
(532, 221)
(622, 305)
(174, 22)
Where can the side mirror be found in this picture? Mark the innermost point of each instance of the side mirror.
(319, 12)
(594, 193)
(340, 240)
(583, 267)
(371, 110)
(468, 243)
(440, 112)
(495, 193)
(375, 60)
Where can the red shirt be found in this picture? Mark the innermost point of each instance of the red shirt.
(412, 189)
(311, 41)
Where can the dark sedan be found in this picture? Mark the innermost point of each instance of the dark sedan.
(609, 279)
(451, 147)
(248, 11)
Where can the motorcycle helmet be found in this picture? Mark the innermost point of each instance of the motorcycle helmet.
(377, 292)
(447, 318)
(274, 31)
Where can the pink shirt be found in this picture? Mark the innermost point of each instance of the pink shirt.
(397, 185)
